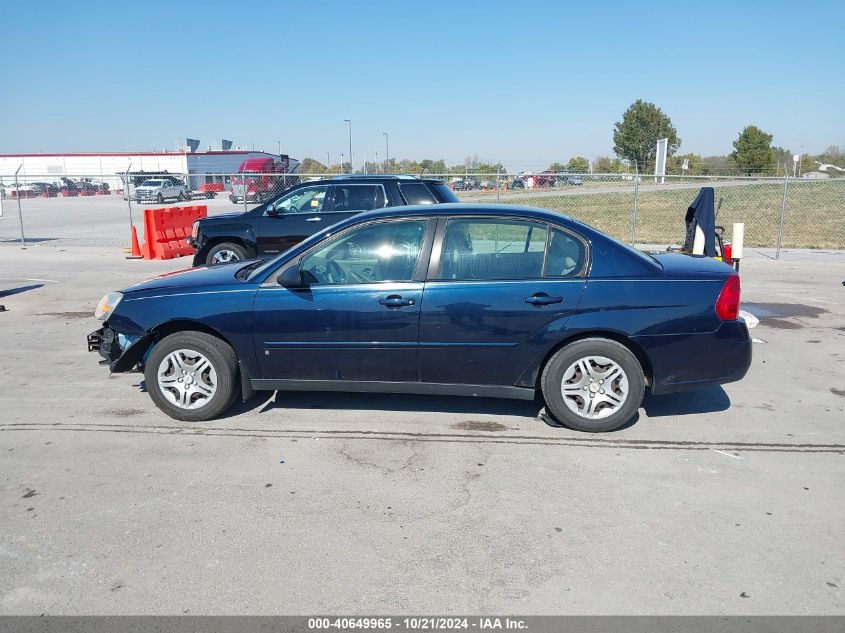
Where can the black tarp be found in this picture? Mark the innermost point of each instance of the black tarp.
(702, 212)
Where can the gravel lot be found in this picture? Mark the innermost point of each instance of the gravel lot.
(727, 501)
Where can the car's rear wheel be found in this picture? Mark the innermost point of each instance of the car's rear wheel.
(225, 253)
(593, 385)
(192, 376)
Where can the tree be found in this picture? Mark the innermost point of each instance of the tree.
(607, 165)
(675, 164)
(578, 164)
(636, 135)
(753, 151)
(556, 166)
(311, 166)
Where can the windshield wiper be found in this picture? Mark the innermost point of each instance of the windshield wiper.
(244, 272)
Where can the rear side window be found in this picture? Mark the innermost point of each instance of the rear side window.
(416, 193)
(358, 197)
(566, 255)
(492, 249)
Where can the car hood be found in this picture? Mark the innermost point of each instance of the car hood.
(223, 217)
(192, 278)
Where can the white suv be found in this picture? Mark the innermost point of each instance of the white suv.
(161, 189)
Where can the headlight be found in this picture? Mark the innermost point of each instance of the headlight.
(195, 230)
(107, 305)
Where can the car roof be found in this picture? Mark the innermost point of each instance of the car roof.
(464, 208)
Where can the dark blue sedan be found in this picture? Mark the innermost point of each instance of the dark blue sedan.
(474, 300)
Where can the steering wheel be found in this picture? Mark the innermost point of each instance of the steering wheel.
(335, 273)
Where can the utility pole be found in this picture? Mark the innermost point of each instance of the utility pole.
(349, 121)
(386, 150)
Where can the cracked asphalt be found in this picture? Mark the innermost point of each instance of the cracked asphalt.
(727, 501)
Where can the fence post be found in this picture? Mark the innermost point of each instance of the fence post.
(498, 181)
(782, 216)
(20, 213)
(634, 211)
(129, 204)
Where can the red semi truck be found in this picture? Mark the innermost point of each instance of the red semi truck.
(260, 179)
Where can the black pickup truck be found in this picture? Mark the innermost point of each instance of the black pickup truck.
(275, 226)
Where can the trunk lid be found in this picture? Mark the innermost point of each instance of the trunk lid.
(681, 265)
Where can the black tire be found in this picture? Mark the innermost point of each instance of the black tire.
(237, 249)
(553, 374)
(223, 360)
(160, 199)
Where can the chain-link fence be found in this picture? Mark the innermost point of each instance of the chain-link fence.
(777, 212)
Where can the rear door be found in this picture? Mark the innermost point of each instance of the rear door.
(498, 290)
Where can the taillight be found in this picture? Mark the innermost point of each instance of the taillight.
(727, 305)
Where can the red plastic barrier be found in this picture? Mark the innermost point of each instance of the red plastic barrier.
(166, 231)
(215, 187)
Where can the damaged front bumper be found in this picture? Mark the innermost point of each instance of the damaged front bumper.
(120, 352)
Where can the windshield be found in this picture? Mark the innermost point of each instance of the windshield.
(152, 183)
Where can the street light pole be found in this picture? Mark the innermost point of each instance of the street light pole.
(386, 150)
(349, 121)
(280, 148)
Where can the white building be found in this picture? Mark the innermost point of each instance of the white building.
(108, 167)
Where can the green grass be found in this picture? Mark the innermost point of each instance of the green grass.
(815, 213)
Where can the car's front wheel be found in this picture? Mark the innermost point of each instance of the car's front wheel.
(593, 385)
(225, 253)
(192, 376)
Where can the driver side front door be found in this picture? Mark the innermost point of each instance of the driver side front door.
(356, 316)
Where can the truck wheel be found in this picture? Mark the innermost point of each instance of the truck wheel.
(160, 199)
(593, 385)
(192, 376)
(225, 253)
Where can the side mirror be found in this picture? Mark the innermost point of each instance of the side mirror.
(291, 277)
(272, 210)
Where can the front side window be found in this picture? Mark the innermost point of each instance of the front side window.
(492, 249)
(384, 251)
(358, 197)
(305, 200)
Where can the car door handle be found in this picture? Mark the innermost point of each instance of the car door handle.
(542, 299)
(317, 219)
(395, 301)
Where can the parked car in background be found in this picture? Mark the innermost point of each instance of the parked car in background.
(496, 301)
(465, 184)
(260, 179)
(45, 188)
(306, 208)
(22, 190)
(564, 180)
(516, 183)
(161, 189)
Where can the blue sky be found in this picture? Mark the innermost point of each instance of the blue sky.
(518, 82)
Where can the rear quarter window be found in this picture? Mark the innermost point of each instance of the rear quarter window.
(416, 193)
